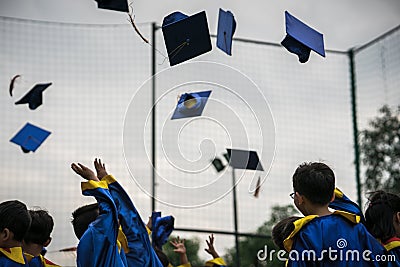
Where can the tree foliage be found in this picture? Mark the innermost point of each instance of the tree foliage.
(380, 151)
(192, 248)
(249, 246)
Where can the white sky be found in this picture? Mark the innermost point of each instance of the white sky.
(344, 23)
(74, 106)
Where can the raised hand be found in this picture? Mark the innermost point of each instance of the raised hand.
(179, 245)
(100, 168)
(211, 250)
(84, 172)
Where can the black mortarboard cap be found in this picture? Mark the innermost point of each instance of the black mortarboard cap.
(117, 5)
(191, 105)
(244, 159)
(226, 29)
(301, 39)
(30, 137)
(185, 37)
(34, 96)
(217, 163)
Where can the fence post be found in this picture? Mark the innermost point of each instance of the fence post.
(355, 126)
(153, 117)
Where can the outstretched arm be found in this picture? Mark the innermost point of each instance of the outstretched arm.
(180, 248)
(139, 246)
(211, 250)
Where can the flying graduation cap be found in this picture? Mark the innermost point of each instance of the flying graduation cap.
(116, 5)
(191, 105)
(301, 39)
(244, 159)
(185, 36)
(34, 97)
(226, 29)
(30, 137)
(162, 228)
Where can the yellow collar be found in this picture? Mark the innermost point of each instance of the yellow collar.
(122, 241)
(218, 261)
(298, 224)
(14, 254)
(392, 244)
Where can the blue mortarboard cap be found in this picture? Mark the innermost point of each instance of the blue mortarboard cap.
(301, 39)
(186, 37)
(244, 159)
(226, 29)
(154, 216)
(34, 97)
(173, 17)
(30, 137)
(117, 5)
(162, 229)
(191, 105)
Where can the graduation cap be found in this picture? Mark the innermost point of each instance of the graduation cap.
(34, 96)
(191, 105)
(244, 159)
(226, 29)
(161, 229)
(185, 37)
(301, 39)
(30, 137)
(117, 5)
(218, 165)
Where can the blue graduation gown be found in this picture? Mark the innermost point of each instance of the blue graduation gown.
(98, 245)
(392, 247)
(39, 261)
(342, 202)
(12, 257)
(140, 252)
(335, 235)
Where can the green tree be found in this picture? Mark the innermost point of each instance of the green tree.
(380, 151)
(192, 248)
(249, 246)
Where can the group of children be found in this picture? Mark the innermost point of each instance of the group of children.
(333, 231)
(111, 232)
(24, 234)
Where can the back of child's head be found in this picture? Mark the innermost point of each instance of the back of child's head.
(315, 181)
(282, 230)
(82, 217)
(382, 207)
(41, 228)
(162, 257)
(14, 216)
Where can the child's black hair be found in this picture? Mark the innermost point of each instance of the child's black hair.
(382, 206)
(15, 217)
(316, 181)
(83, 216)
(41, 227)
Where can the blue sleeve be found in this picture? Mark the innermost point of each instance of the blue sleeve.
(393, 257)
(141, 252)
(98, 245)
(343, 203)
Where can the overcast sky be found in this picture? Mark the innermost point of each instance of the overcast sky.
(93, 85)
(344, 23)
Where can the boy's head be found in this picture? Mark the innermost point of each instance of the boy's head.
(40, 229)
(82, 217)
(14, 222)
(314, 181)
(383, 215)
(282, 230)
